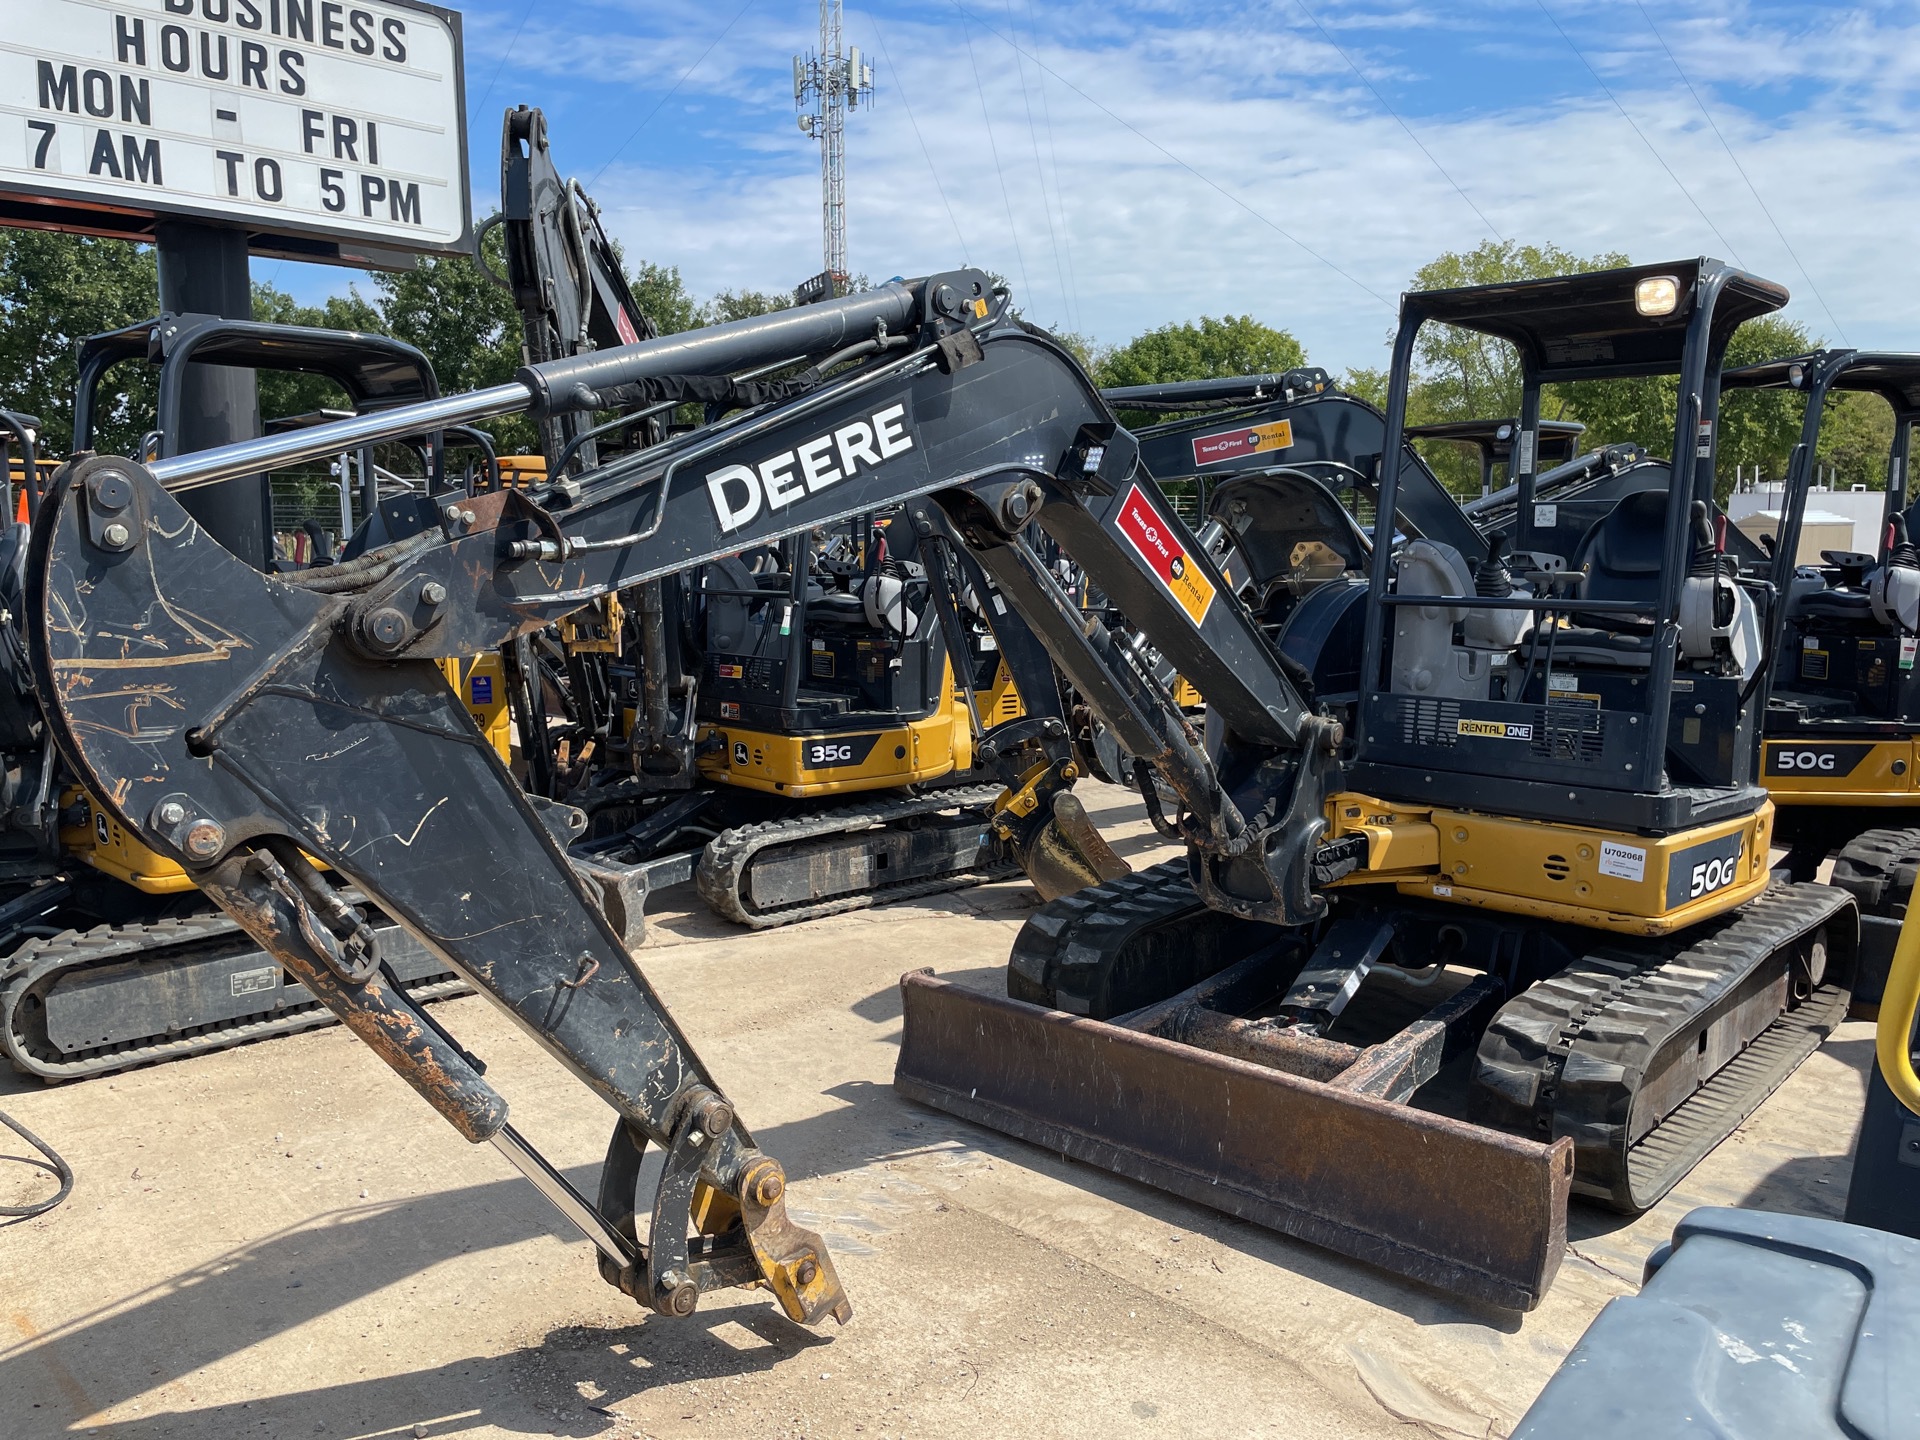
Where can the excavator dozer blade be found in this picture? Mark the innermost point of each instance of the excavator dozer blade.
(1464, 1209)
(1068, 853)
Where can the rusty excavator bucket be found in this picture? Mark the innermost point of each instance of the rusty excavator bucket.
(1308, 1136)
(1048, 832)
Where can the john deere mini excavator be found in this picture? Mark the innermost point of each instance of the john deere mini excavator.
(832, 721)
(1598, 930)
(1636, 985)
(1842, 744)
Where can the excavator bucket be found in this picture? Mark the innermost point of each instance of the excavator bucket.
(1069, 853)
(1053, 839)
(1322, 1150)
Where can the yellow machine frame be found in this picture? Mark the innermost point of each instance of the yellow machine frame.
(902, 754)
(905, 754)
(1887, 777)
(1551, 871)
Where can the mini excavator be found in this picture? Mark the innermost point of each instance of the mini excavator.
(1842, 744)
(1599, 931)
(1595, 940)
(832, 721)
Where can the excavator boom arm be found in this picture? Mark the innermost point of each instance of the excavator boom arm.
(239, 723)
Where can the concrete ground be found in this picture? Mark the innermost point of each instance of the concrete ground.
(281, 1240)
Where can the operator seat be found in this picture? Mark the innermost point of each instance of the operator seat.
(840, 608)
(1620, 556)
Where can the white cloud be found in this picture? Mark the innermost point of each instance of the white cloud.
(1817, 103)
(1258, 114)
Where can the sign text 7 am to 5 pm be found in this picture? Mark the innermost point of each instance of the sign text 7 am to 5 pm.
(326, 118)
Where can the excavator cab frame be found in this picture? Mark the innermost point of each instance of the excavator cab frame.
(1841, 749)
(1492, 443)
(1655, 774)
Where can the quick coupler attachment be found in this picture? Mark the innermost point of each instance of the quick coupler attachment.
(707, 1230)
(1050, 836)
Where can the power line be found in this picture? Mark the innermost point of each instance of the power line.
(525, 15)
(1210, 183)
(1046, 201)
(1578, 55)
(1805, 274)
(672, 90)
(1315, 20)
(994, 147)
(932, 168)
(1059, 195)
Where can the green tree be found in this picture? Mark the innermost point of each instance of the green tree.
(1462, 374)
(742, 304)
(466, 325)
(1200, 350)
(1367, 383)
(1855, 438)
(663, 297)
(55, 290)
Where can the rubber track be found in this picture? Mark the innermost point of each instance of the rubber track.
(722, 872)
(1103, 918)
(159, 943)
(1592, 1033)
(1877, 868)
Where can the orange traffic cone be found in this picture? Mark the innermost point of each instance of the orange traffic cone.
(20, 510)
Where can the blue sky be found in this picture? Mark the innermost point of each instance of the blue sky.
(1133, 162)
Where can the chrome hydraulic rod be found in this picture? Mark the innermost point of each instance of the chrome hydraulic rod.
(574, 383)
(250, 457)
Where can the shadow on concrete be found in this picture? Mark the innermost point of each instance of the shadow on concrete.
(141, 1342)
(573, 1383)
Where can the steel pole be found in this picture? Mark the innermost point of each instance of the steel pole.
(203, 271)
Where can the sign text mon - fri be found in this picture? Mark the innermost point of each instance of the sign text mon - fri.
(307, 117)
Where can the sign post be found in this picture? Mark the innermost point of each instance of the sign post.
(323, 130)
(203, 271)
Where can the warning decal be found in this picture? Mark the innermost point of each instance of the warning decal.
(1149, 535)
(1247, 440)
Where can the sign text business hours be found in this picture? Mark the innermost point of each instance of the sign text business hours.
(331, 118)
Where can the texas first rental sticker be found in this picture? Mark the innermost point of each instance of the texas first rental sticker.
(1165, 556)
(1245, 440)
(327, 118)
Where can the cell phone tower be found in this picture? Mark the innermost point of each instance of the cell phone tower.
(826, 86)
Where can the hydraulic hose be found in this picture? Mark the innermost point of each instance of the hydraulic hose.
(53, 1165)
